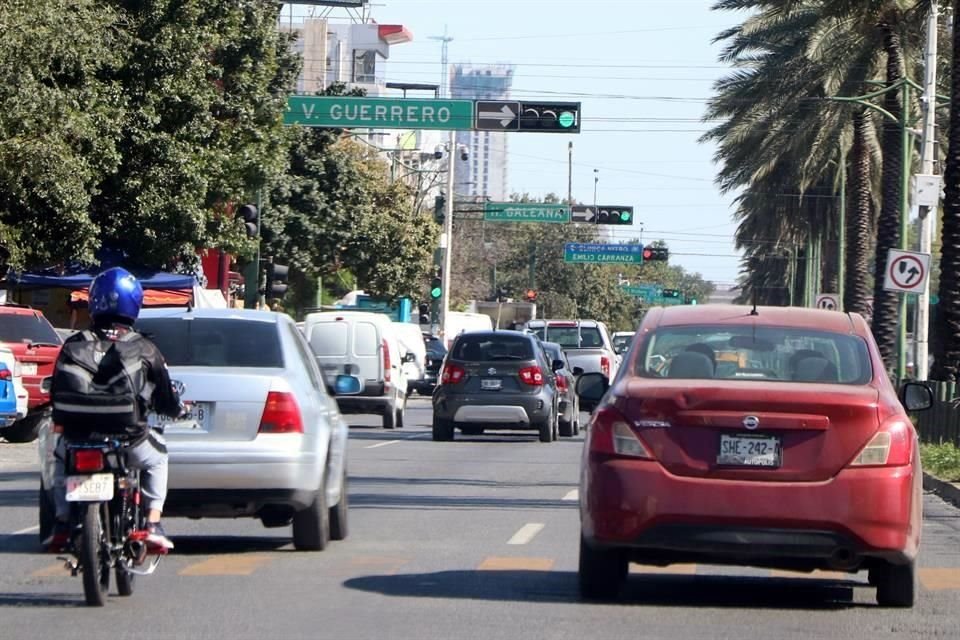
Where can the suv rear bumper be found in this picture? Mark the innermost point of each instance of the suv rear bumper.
(504, 411)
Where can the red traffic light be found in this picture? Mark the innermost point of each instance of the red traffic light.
(531, 295)
(647, 253)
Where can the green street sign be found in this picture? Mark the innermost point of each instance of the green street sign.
(525, 212)
(378, 113)
(603, 253)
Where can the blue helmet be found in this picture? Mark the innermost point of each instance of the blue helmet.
(116, 293)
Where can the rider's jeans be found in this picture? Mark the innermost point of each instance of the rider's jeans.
(150, 456)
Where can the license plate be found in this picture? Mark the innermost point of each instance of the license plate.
(749, 451)
(95, 488)
(490, 384)
(28, 368)
(197, 419)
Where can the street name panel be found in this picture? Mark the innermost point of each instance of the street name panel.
(379, 113)
(602, 253)
(525, 212)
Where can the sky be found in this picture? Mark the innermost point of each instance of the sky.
(642, 70)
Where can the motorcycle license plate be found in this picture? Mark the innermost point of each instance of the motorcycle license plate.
(95, 488)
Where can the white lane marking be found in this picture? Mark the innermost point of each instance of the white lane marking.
(526, 533)
(382, 444)
(573, 495)
(32, 529)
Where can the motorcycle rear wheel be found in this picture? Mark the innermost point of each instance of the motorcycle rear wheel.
(95, 569)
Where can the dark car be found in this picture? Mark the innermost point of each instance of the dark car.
(496, 380)
(566, 387)
(436, 352)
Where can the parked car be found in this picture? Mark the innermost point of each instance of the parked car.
(16, 377)
(264, 437)
(566, 386)
(586, 343)
(799, 457)
(621, 341)
(411, 342)
(366, 344)
(8, 397)
(496, 380)
(35, 345)
(435, 353)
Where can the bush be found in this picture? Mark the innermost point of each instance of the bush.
(941, 460)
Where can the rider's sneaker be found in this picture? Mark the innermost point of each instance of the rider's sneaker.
(157, 537)
(59, 537)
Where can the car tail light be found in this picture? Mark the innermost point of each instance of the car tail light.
(891, 446)
(452, 374)
(17, 369)
(281, 414)
(5, 374)
(532, 376)
(386, 362)
(88, 460)
(605, 366)
(610, 433)
(562, 383)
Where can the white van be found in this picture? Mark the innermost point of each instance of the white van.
(364, 344)
(411, 341)
(460, 321)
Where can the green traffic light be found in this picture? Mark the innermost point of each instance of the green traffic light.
(625, 217)
(435, 292)
(567, 119)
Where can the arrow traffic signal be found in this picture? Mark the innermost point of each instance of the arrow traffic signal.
(555, 117)
(614, 215)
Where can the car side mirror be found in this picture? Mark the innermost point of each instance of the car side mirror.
(916, 396)
(591, 387)
(557, 365)
(347, 385)
(578, 371)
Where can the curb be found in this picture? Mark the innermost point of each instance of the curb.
(947, 491)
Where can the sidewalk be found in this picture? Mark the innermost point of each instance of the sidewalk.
(946, 490)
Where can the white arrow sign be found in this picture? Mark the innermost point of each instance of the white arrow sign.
(582, 214)
(505, 115)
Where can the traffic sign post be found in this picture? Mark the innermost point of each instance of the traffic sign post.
(907, 271)
(602, 253)
(379, 113)
(828, 301)
(525, 212)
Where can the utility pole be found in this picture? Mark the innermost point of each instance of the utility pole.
(570, 173)
(596, 180)
(446, 238)
(928, 216)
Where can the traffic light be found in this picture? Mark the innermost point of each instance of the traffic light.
(531, 295)
(424, 310)
(655, 252)
(671, 293)
(556, 117)
(251, 219)
(276, 280)
(439, 208)
(614, 215)
(436, 285)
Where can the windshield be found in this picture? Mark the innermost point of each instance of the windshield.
(570, 336)
(22, 327)
(215, 342)
(764, 353)
(621, 343)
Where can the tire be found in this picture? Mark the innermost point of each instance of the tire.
(126, 581)
(602, 572)
(897, 585)
(311, 527)
(390, 417)
(401, 412)
(46, 515)
(27, 429)
(339, 513)
(442, 430)
(546, 429)
(566, 427)
(96, 575)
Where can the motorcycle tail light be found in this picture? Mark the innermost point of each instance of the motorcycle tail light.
(87, 460)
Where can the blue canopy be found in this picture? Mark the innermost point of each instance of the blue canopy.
(82, 280)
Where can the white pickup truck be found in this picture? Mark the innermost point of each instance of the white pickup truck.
(586, 343)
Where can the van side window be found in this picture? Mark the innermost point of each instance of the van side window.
(365, 341)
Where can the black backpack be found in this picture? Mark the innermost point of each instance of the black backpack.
(97, 384)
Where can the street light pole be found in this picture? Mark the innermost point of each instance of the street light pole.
(596, 179)
(446, 239)
(928, 216)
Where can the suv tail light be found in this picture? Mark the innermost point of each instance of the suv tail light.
(605, 366)
(891, 446)
(452, 374)
(281, 414)
(532, 376)
(386, 362)
(87, 460)
(562, 383)
(611, 434)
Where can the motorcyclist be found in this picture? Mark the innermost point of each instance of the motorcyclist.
(115, 299)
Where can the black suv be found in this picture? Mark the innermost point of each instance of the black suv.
(496, 380)
(436, 352)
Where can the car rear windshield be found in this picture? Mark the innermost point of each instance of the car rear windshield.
(487, 347)
(215, 342)
(434, 346)
(571, 336)
(329, 338)
(761, 353)
(21, 327)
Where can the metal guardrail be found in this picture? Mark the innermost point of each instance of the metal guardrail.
(941, 423)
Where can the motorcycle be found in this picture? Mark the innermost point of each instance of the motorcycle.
(107, 519)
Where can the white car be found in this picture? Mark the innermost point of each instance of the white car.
(7, 358)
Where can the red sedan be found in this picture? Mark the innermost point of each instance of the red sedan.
(765, 436)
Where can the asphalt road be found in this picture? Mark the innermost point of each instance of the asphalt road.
(471, 539)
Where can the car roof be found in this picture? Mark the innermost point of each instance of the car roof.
(226, 314)
(499, 332)
(723, 314)
(19, 309)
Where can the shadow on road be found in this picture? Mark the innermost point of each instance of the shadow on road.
(45, 600)
(20, 476)
(21, 543)
(407, 501)
(655, 590)
(215, 545)
(455, 482)
(18, 497)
